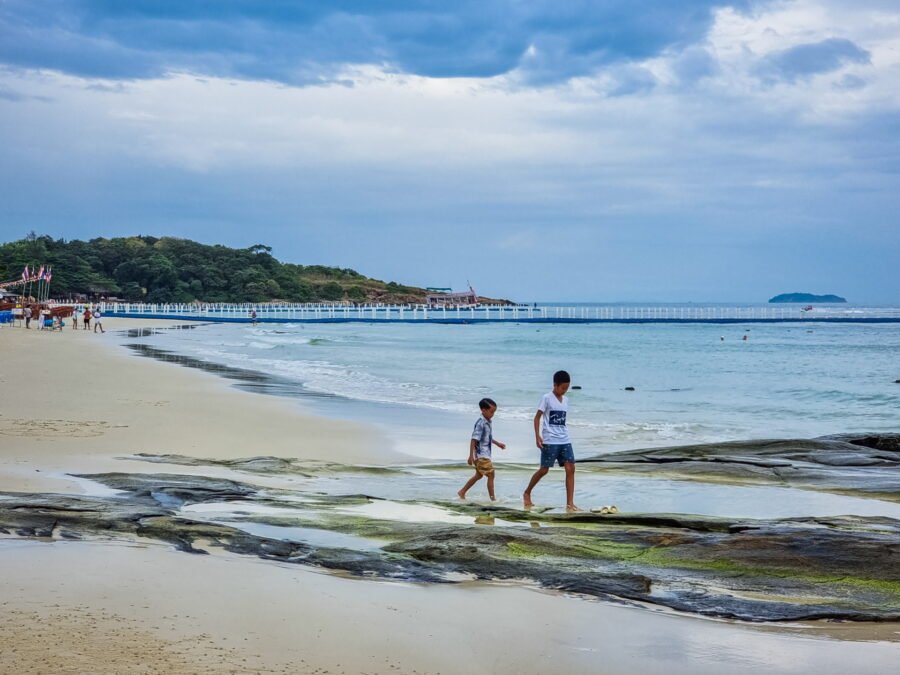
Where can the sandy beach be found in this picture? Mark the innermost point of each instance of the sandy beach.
(74, 403)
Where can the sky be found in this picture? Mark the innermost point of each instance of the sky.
(614, 150)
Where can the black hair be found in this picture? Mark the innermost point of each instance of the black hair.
(561, 377)
(486, 403)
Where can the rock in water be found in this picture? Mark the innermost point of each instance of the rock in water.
(629, 388)
(830, 463)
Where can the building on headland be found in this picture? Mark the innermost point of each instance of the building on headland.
(446, 297)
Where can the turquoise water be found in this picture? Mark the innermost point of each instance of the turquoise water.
(421, 383)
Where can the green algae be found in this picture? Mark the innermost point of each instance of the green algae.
(518, 549)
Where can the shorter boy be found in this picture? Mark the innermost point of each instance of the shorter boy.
(480, 449)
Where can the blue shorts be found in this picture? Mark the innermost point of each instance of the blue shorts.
(557, 453)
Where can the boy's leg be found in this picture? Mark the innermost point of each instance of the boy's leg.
(526, 496)
(570, 486)
(474, 479)
(491, 485)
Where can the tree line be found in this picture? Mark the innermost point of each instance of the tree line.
(168, 269)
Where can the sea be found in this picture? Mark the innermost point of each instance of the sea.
(634, 386)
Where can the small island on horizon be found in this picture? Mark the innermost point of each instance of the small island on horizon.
(806, 297)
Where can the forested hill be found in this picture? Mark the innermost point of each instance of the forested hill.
(167, 269)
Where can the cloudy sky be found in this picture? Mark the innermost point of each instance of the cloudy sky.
(607, 150)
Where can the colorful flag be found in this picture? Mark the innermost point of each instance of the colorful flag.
(49, 274)
(40, 275)
(25, 274)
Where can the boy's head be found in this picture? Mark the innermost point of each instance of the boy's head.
(488, 407)
(561, 382)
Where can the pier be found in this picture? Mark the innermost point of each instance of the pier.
(344, 313)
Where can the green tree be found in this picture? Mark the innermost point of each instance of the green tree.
(332, 291)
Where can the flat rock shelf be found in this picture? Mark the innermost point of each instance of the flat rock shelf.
(840, 567)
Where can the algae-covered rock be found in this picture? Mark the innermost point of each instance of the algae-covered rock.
(758, 570)
(866, 465)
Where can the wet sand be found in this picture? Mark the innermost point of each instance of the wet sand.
(75, 402)
(145, 609)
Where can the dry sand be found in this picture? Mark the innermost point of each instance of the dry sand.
(74, 402)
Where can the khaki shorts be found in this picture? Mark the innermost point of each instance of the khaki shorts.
(484, 466)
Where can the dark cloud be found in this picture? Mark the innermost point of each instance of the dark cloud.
(693, 64)
(298, 42)
(15, 97)
(804, 61)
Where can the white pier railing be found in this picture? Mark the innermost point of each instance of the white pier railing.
(334, 313)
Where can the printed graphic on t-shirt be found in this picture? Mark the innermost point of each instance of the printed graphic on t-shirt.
(557, 418)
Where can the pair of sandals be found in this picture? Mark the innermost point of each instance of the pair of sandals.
(606, 510)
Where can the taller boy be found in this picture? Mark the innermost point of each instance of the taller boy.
(552, 438)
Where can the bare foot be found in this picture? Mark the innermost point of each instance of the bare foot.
(571, 508)
(462, 495)
(526, 499)
(493, 498)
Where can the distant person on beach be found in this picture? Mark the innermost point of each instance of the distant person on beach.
(480, 449)
(98, 320)
(27, 314)
(551, 435)
(253, 316)
(86, 317)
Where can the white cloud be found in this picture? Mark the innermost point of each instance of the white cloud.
(696, 145)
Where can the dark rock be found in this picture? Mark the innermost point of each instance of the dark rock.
(757, 570)
(629, 388)
(865, 466)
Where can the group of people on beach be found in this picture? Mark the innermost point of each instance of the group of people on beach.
(551, 435)
(87, 315)
(47, 320)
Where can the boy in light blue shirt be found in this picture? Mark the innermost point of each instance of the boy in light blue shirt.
(480, 449)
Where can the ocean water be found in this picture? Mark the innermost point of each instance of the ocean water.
(693, 383)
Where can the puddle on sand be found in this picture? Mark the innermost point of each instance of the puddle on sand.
(90, 488)
(641, 494)
(232, 513)
(407, 513)
(305, 535)
(231, 509)
(419, 513)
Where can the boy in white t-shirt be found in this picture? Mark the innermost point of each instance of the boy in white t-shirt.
(552, 438)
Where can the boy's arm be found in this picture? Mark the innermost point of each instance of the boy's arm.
(537, 430)
(500, 445)
(473, 446)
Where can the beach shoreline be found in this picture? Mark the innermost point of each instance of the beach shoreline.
(74, 403)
